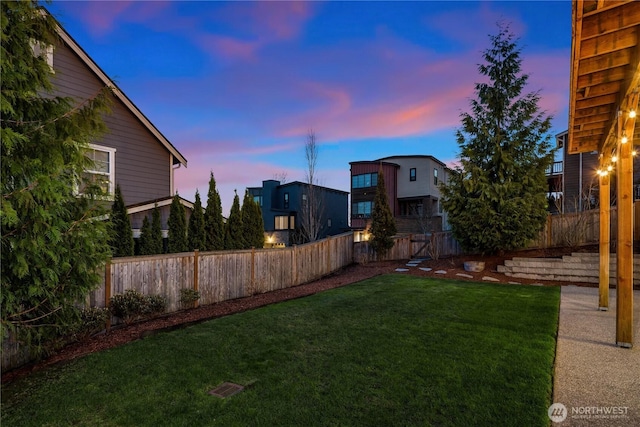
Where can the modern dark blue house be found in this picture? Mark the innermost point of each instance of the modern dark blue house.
(284, 206)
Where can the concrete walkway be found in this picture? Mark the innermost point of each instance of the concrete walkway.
(597, 382)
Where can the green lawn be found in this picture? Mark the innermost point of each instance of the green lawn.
(392, 350)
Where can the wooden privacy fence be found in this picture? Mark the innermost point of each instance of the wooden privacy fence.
(224, 275)
(431, 245)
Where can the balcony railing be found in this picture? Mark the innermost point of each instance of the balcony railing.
(555, 169)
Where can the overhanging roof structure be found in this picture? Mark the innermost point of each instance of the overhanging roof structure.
(605, 71)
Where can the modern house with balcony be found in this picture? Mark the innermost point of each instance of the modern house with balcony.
(283, 207)
(412, 184)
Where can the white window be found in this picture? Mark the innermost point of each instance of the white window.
(102, 172)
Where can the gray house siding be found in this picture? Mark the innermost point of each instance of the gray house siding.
(142, 164)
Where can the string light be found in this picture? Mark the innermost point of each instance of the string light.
(634, 152)
(632, 114)
(614, 159)
(609, 168)
(624, 139)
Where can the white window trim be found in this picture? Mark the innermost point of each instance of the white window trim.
(43, 50)
(112, 166)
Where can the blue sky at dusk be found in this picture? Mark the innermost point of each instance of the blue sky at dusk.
(235, 86)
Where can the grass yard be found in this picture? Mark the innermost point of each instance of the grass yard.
(392, 350)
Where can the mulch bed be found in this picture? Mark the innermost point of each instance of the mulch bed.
(351, 274)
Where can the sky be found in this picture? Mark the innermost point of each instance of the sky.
(237, 86)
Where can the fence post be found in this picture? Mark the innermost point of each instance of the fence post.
(328, 254)
(295, 265)
(196, 263)
(107, 291)
(549, 232)
(253, 270)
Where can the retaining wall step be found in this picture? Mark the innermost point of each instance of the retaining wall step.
(578, 267)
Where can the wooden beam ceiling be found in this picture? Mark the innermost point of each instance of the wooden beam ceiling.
(605, 70)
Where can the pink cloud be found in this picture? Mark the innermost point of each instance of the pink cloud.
(256, 25)
(229, 47)
(101, 17)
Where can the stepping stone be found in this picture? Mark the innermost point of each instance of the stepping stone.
(468, 276)
(412, 265)
(440, 271)
(515, 283)
(490, 279)
(537, 284)
(426, 268)
(402, 270)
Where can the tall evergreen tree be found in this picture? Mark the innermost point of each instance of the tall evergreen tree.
(196, 235)
(383, 224)
(145, 239)
(246, 215)
(52, 244)
(234, 238)
(213, 222)
(157, 242)
(257, 226)
(121, 233)
(496, 200)
(252, 222)
(177, 224)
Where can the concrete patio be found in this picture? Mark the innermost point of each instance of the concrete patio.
(597, 382)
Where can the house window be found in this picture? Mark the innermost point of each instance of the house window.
(329, 223)
(43, 50)
(258, 200)
(285, 222)
(361, 209)
(364, 180)
(102, 171)
(286, 200)
(412, 174)
(435, 176)
(282, 222)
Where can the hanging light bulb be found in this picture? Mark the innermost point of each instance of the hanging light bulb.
(632, 114)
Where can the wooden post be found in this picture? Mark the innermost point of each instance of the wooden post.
(294, 263)
(624, 306)
(253, 270)
(107, 290)
(196, 263)
(550, 231)
(328, 254)
(605, 235)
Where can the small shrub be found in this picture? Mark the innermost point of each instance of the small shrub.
(92, 320)
(155, 304)
(133, 306)
(188, 297)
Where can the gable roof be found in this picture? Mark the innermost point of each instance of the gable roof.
(178, 158)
